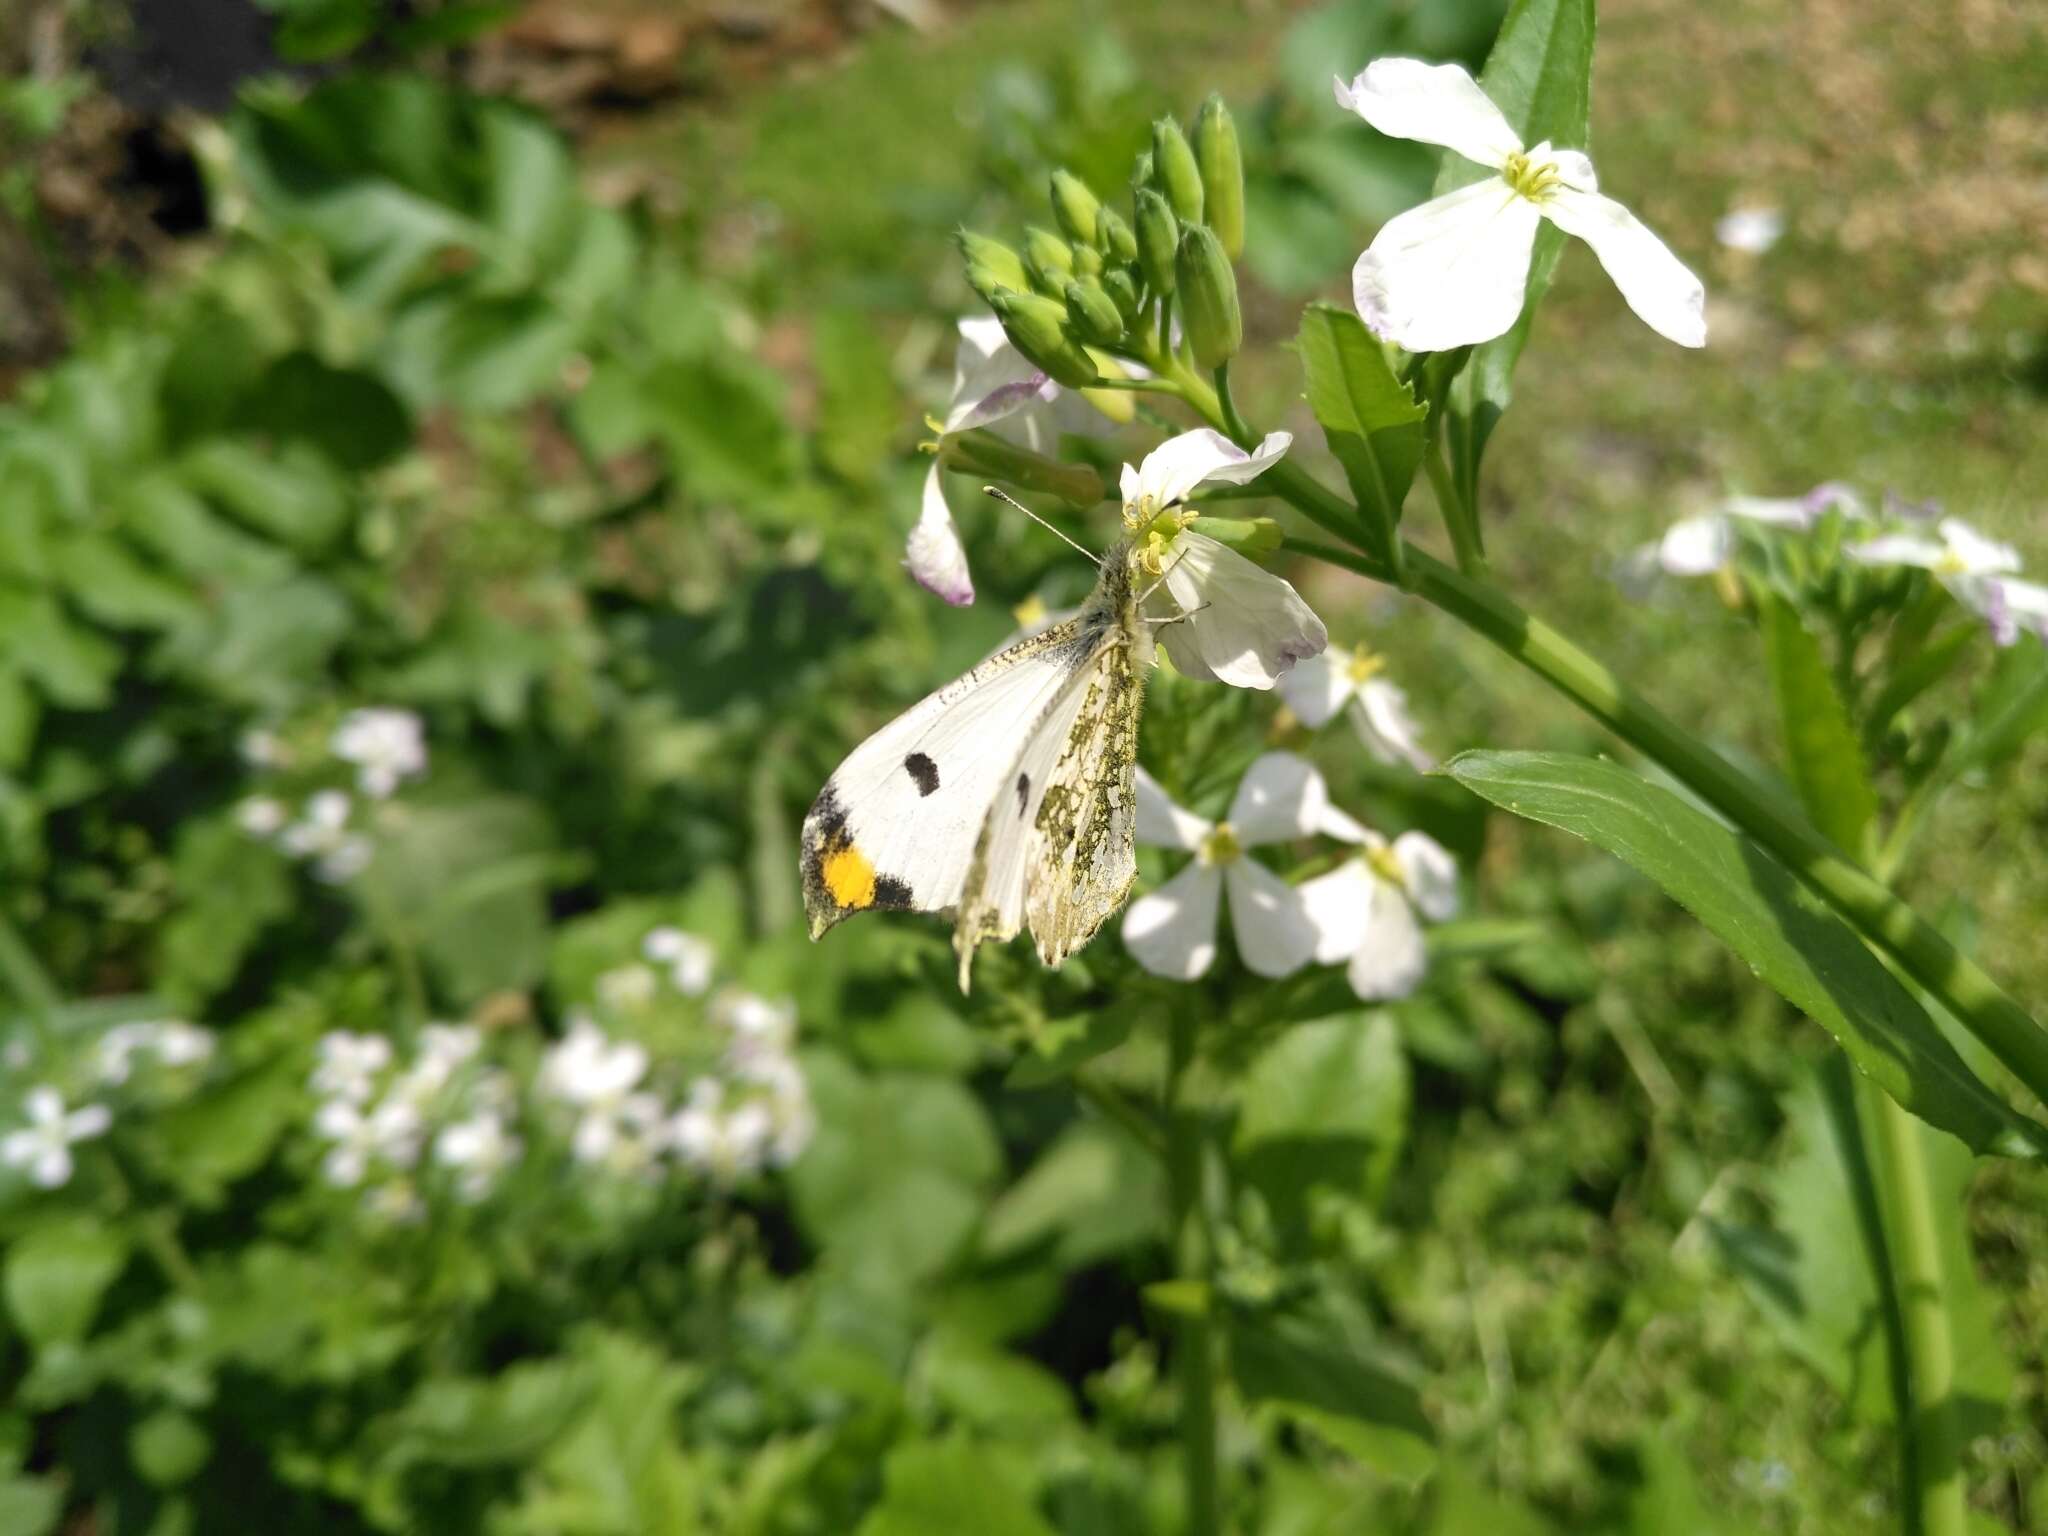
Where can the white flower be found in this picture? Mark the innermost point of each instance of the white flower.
(626, 1134)
(173, 1042)
(1750, 230)
(761, 1031)
(263, 749)
(1364, 911)
(722, 1143)
(1454, 271)
(1322, 685)
(349, 1064)
(628, 988)
(1703, 545)
(588, 1068)
(179, 1044)
(397, 1202)
(1235, 623)
(43, 1146)
(261, 815)
(1976, 570)
(443, 1049)
(387, 747)
(689, 959)
(1172, 931)
(323, 833)
(994, 386)
(479, 1148)
(389, 1133)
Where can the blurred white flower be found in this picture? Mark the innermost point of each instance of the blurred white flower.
(1172, 931)
(173, 1042)
(1454, 271)
(1750, 230)
(1365, 910)
(390, 1133)
(994, 386)
(348, 1065)
(261, 815)
(322, 833)
(689, 959)
(587, 1067)
(397, 1202)
(43, 1145)
(1229, 620)
(625, 1134)
(761, 1031)
(1704, 545)
(480, 1148)
(1322, 685)
(1977, 571)
(723, 1143)
(262, 749)
(443, 1048)
(387, 746)
(628, 988)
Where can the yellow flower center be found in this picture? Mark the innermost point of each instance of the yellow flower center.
(1030, 614)
(1220, 846)
(1533, 179)
(1153, 531)
(1364, 664)
(1381, 861)
(1951, 564)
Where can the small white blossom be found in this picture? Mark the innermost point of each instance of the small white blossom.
(1454, 271)
(627, 1135)
(1172, 931)
(762, 1032)
(1224, 618)
(994, 386)
(724, 1143)
(173, 1042)
(391, 1133)
(689, 959)
(1706, 544)
(588, 1068)
(1365, 911)
(322, 834)
(263, 749)
(397, 1202)
(387, 746)
(628, 988)
(480, 1148)
(1322, 685)
(261, 815)
(43, 1146)
(1750, 230)
(443, 1048)
(1977, 571)
(349, 1064)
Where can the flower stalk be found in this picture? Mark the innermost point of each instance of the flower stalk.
(1195, 1345)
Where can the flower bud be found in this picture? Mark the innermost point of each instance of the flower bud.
(1049, 260)
(1208, 297)
(1123, 293)
(1093, 313)
(1222, 167)
(1179, 177)
(1000, 266)
(1158, 237)
(1256, 538)
(1113, 237)
(988, 457)
(1074, 207)
(1087, 261)
(1037, 327)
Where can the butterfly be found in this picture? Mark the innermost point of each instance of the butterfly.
(1008, 797)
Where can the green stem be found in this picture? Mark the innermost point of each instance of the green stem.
(1935, 1482)
(1114, 1106)
(1461, 521)
(1194, 1354)
(1888, 923)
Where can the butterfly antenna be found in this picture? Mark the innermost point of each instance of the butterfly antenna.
(989, 490)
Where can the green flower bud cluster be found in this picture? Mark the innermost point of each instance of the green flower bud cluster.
(1100, 282)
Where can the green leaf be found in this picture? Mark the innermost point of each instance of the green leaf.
(169, 1448)
(2008, 710)
(1540, 76)
(1316, 1367)
(857, 406)
(945, 1487)
(483, 352)
(30, 1506)
(105, 579)
(1093, 1193)
(226, 1132)
(1065, 1044)
(1779, 928)
(71, 666)
(502, 1420)
(262, 645)
(1820, 744)
(174, 523)
(56, 1274)
(292, 494)
(1466, 1508)
(989, 1388)
(1370, 418)
(20, 713)
(229, 887)
(722, 419)
(350, 416)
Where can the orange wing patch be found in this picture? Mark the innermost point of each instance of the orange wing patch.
(850, 877)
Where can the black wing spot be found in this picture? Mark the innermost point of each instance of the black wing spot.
(923, 771)
(1023, 793)
(892, 894)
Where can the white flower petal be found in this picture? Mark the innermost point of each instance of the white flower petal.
(1389, 730)
(90, 1121)
(1897, 549)
(1392, 960)
(1750, 230)
(1774, 511)
(1280, 796)
(1340, 908)
(1173, 470)
(43, 1105)
(1659, 287)
(1344, 827)
(991, 378)
(52, 1166)
(1574, 167)
(1431, 873)
(1171, 932)
(1161, 823)
(934, 555)
(1450, 273)
(1240, 624)
(1977, 555)
(1433, 103)
(1696, 546)
(1274, 934)
(2027, 601)
(1317, 688)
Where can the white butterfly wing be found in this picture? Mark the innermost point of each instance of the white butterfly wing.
(895, 827)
